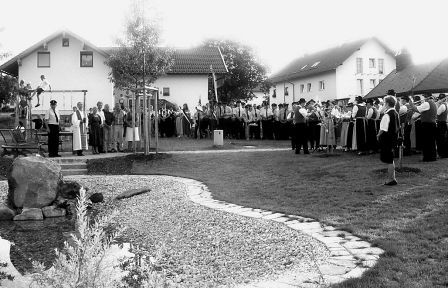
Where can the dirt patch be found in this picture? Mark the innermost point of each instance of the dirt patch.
(399, 170)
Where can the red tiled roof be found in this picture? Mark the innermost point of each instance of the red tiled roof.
(328, 59)
(430, 77)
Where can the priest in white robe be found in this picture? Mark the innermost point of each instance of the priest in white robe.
(78, 128)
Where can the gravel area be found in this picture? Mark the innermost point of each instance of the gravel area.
(204, 247)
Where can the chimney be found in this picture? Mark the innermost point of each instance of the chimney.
(403, 59)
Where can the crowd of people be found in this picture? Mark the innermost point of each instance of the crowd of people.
(310, 126)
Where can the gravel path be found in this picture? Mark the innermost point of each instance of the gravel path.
(205, 247)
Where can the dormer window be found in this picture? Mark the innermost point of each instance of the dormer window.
(65, 42)
(315, 64)
(304, 67)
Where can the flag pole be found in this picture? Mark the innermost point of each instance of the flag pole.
(214, 83)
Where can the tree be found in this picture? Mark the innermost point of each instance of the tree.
(8, 84)
(140, 41)
(245, 70)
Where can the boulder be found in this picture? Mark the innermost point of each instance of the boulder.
(30, 214)
(6, 213)
(53, 211)
(33, 182)
(96, 197)
(69, 189)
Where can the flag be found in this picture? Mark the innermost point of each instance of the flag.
(214, 83)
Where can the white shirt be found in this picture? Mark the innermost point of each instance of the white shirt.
(103, 118)
(424, 107)
(265, 112)
(369, 113)
(441, 109)
(51, 118)
(44, 84)
(403, 110)
(384, 124)
(335, 112)
(303, 111)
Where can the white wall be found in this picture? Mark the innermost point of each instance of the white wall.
(184, 89)
(329, 92)
(346, 76)
(65, 73)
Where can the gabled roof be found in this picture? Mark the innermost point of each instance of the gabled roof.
(186, 61)
(322, 61)
(11, 66)
(430, 77)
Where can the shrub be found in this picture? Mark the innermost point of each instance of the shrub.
(88, 263)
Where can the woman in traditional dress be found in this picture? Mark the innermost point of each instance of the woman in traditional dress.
(327, 132)
(129, 131)
(179, 125)
(95, 135)
(345, 117)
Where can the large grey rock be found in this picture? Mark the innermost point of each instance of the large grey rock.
(29, 214)
(53, 211)
(6, 213)
(33, 182)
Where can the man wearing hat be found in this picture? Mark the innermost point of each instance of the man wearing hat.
(300, 118)
(428, 111)
(52, 118)
(405, 114)
(197, 118)
(266, 121)
(442, 137)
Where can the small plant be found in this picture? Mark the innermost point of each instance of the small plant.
(86, 262)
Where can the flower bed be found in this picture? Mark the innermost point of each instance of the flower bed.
(203, 247)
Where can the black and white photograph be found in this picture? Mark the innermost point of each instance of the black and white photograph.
(240, 144)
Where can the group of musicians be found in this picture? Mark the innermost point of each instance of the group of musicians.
(318, 126)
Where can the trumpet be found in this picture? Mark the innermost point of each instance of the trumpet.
(438, 102)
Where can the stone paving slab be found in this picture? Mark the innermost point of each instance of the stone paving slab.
(350, 256)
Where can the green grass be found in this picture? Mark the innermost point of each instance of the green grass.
(408, 221)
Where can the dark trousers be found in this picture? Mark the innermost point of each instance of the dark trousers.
(442, 141)
(254, 131)
(53, 140)
(276, 129)
(429, 141)
(101, 145)
(407, 138)
(292, 134)
(371, 135)
(301, 137)
(313, 134)
(267, 129)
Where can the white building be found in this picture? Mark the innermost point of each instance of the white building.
(346, 71)
(70, 62)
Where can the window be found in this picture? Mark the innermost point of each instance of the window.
(43, 59)
(308, 87)
(360, 87)
(86, 59)
(372, 83)
(315, 64)
(302, 88)
(371, 62)
(286, 91)
(166, 91)
(304, 67)
(358, 65)
(321, 85)
(381, 66)
(65, 42)
(274, 93)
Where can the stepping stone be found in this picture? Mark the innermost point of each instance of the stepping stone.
(332, 269)
(356, 244)
(347, 263)
(273, 216)
(355, 273)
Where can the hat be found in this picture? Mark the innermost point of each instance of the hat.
(53, 102)
(391, 92)
(405, 98)
(350, 104)
(302, 100)
(441, 96)
(359, 99)
(369, 101)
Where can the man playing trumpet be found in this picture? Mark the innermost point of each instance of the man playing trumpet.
(428, 111)
(442, 137)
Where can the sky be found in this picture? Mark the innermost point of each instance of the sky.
(279, 31)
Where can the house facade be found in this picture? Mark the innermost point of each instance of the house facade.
(346, 71)
(72, 64)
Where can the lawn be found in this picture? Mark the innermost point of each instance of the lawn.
(408, 221)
